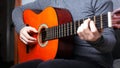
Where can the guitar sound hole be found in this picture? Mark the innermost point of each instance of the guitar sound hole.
(43, 34)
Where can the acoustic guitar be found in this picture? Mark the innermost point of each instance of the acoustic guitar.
(55, 33)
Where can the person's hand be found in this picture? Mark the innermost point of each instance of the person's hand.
(116, 18)
(88, 31)
(25, 36)
(116, 11)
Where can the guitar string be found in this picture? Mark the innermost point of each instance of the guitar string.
(54, 34)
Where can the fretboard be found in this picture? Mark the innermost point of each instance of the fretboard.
(70, 28)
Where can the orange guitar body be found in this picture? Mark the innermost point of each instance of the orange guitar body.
(50, 17)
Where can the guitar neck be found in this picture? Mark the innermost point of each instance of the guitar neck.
(69, 29)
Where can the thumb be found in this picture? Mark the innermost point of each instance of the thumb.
(92, 27)
(32, 29)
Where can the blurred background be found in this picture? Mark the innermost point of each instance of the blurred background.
(8, 50)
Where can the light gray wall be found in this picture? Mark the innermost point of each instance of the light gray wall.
(116, 4)
(26, 1)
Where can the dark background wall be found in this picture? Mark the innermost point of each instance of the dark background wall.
(6, 33)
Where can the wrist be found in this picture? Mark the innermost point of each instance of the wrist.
(98, 42)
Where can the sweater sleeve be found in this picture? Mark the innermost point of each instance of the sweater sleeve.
(17, 12)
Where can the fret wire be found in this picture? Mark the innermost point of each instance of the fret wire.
(55, 32)
(95, 19)
(43, 35)
(64, 29)
(75, 27)
(59, 31)
(67, 34)
(46, 33)
(70, 28)
(101, 21)
(105, 19)
(98, 23)
(78, 23)
(50, 33)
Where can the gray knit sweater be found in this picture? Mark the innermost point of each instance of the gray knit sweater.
(79, 9)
